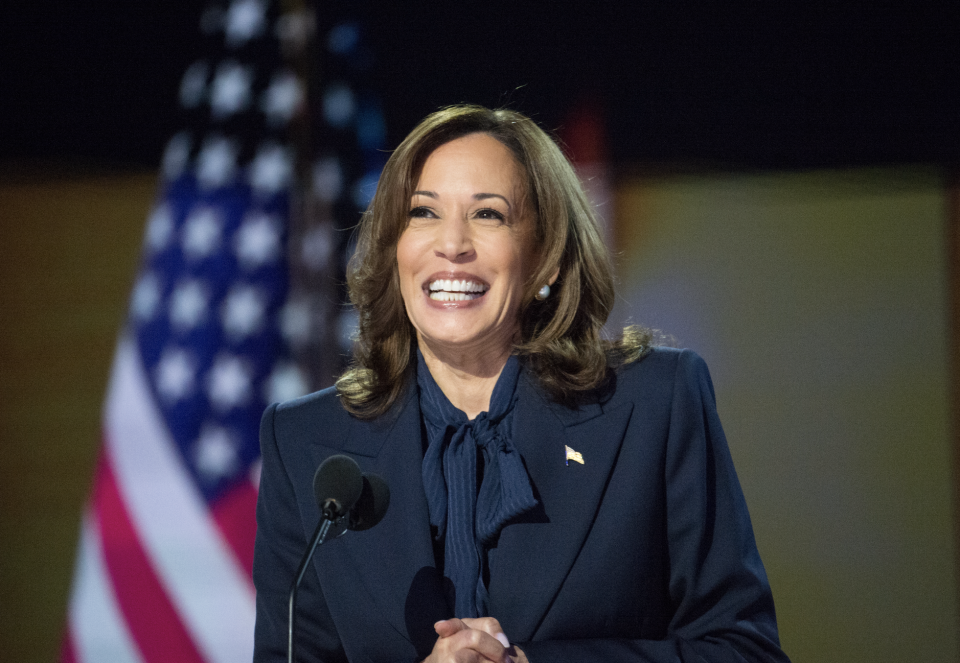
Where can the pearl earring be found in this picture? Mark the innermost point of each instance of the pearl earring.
(543, 292)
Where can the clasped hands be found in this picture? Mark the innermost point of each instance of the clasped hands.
(473, 641)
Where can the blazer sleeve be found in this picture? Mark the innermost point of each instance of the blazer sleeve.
(280, 544)
(721, 605)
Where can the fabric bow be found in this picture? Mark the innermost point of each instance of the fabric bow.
(468, 518)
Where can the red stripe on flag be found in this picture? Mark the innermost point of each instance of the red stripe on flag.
(68, 653)
(236, 516)
(151, 618)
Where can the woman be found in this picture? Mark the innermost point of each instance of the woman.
(554, 496)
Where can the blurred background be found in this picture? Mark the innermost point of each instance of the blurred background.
(779, 186)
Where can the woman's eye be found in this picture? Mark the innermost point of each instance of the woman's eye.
(491, 214)
(421, 213)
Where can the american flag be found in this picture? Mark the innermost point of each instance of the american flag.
(221, 310)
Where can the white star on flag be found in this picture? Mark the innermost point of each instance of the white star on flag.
(286, 382)
(283, 99)
(160, 228)
(201, 232)
(257, 241)
(188, 305)
(243, 311)
(271, 169)
(194, 84)
(217, 162)
(175, 374)
(245, 20)
(230, 90)
(176, 156)
(228, 382)
(146, 296)
(215, 453)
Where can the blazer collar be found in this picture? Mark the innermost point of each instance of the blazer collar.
(536, 553)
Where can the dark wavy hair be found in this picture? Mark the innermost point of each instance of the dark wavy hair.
(560, 337)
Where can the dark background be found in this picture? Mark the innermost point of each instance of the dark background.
(737, 84)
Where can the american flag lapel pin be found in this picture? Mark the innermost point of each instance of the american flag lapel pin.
(575, 456)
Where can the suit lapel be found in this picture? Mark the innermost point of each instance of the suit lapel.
(395, 559)
(534, 555)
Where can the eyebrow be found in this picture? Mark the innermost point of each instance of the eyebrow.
(476, 196)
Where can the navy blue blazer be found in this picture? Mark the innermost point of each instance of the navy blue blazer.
(644, 552)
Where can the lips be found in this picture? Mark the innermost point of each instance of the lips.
(456, 290)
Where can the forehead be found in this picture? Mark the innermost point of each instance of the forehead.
(474, 160)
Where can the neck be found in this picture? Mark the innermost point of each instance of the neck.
(466, 378)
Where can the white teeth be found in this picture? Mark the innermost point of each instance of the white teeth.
(442, 296)
(456, 286)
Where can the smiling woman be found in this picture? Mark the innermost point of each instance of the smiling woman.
(464, 261)
(516, 183)
(479, 373)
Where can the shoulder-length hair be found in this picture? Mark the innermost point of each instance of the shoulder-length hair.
(560, 337)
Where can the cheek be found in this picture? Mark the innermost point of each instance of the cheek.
(406, 258)
(528, 260)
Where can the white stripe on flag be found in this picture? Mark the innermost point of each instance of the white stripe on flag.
(210, 590)
(97, 626)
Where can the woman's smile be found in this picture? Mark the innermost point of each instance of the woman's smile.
(445, 290)
(455, 288)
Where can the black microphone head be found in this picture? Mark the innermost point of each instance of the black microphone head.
(372, 505)
(337, 485)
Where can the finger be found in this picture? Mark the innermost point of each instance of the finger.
(488, 625)
(447, 627)
(465, 645)
(483, 643)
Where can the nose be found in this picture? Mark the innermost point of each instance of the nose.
(454, 241)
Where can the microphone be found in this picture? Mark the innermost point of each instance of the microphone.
(337, 486)
(371, 505)
(347, 499)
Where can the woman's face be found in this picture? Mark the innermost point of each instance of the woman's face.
(467, 249)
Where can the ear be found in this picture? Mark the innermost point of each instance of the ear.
(553, 278)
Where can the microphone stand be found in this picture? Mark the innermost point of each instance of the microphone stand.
(329, 521)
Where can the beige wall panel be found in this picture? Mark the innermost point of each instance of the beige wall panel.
(819, 302)
(68, 251)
